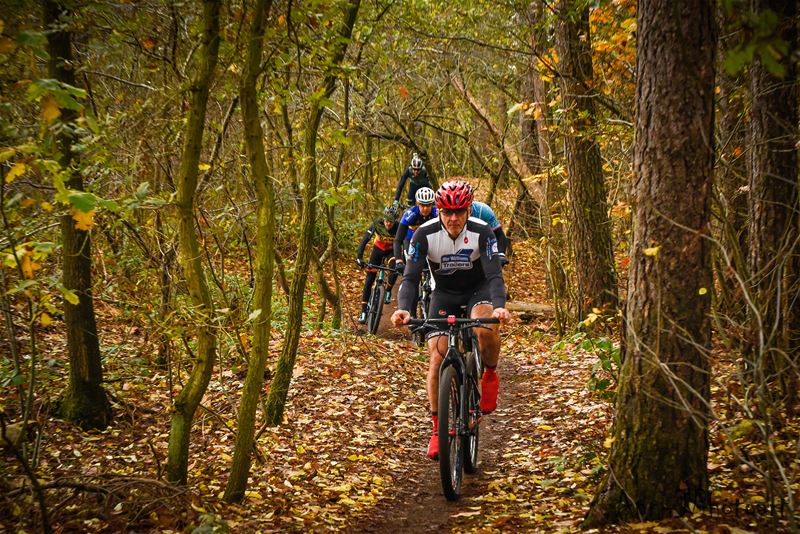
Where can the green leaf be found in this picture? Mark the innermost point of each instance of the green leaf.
(36, 41)
(69, 295)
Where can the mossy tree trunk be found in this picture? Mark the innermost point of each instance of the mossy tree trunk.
(657, 463)
(84, 402)
(276, 400)
(187, 401)
(264, 267)
(590, 224)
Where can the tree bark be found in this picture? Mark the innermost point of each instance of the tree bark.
(84, 402)
(590, 224)
(773, 202)
(189, 398)
(254, 144)
(657, 463)
(276, 400)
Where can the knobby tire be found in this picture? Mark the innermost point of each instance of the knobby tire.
(376, 308)
(472, 438)
(451, 455)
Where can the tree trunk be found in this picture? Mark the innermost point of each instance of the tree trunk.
(773, 200)
(189, 398)
(254, 143)
(657, 463)
(276, 400)
(590, 224)
(84, 402)
(555, 245)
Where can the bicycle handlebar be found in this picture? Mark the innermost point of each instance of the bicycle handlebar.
(452, 320)
(379, 267)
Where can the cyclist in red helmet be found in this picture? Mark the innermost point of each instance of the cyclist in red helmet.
(465, 264)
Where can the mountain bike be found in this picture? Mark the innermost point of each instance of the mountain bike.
(459, 399)
(375, 304)
(423, 304)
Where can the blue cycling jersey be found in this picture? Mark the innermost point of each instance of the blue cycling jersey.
(484, 212)
(412, 218)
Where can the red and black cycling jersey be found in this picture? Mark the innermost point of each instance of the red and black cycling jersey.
(384, 238)
(458, 265)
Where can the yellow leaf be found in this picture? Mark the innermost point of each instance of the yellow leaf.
(608, 442)
(643, 526)
(544, 427)
(513, 109)
(45, 319)
(652, 251)
(83, 220)
(50, 111)
(702, 291)
(17, 170)
(203, 167)
(46, 206)
(25, 265)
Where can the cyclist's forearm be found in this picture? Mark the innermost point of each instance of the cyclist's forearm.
(502, 240)
(402, 230)
(400, 186)
(363, 245)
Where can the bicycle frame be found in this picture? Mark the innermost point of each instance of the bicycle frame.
(458, 374)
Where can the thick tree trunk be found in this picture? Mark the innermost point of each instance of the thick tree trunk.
(590, 224)
(773, 201)
(657, 463)
(189, 398)
(265, 235)
(276, 400)
(84, 402)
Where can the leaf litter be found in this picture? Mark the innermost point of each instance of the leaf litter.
(350, 453)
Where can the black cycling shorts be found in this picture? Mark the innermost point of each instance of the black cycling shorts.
(444, 303)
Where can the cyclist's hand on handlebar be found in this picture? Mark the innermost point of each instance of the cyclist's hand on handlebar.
(360, 263)
(400, 317)
(503, 259)
(502, 314)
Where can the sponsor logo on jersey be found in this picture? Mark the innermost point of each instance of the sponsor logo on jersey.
(456, 262)
(491, 247)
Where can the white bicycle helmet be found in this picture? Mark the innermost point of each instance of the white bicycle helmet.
(416, 163)
(424, 196)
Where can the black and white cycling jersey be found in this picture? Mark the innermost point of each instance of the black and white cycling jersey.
(458, 265)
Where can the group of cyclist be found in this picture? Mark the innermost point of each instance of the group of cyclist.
(463, 245)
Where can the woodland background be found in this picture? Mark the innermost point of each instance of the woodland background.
(184, 185)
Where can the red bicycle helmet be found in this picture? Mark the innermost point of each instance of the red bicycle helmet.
(454, 195)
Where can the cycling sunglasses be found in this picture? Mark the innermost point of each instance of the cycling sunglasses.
(448, 212)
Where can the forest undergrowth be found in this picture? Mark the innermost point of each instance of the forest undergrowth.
(352, 443)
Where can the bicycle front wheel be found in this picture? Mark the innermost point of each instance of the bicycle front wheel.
(472, 435)
(376, 308)
(450, 452)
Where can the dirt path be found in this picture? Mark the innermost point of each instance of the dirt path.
(419, 504)
(536, 462)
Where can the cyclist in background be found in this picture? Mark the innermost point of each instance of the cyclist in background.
(384, 230)
(414, 216)
(418, 176)
(465, 264)
(482, 211)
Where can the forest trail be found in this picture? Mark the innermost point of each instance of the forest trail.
(536, 457)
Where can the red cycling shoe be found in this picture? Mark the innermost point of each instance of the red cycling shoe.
(490, 385)
(433, 446)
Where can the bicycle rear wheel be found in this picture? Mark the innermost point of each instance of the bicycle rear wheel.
(451, 455)
(472, 437)
(375, 308)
